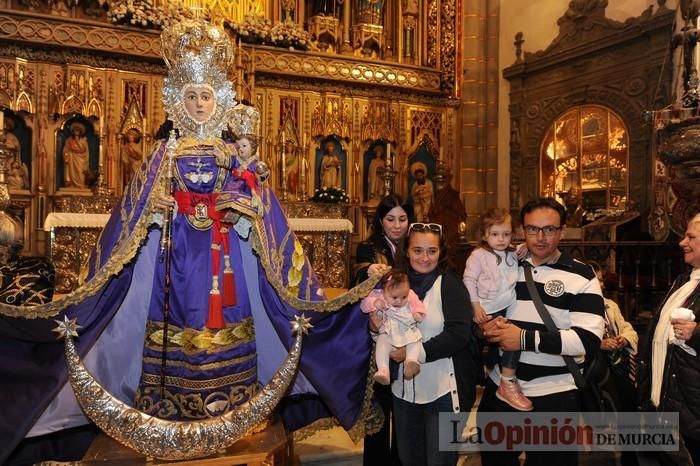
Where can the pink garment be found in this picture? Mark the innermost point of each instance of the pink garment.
(481, 276)
(414, 302)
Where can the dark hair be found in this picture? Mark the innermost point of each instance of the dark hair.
(394, 279)
(443, 261)
(384, 207)
(543, 203)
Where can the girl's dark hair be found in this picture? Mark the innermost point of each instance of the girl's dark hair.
(384, 207)
(494, 216)
(443, 261)
(394, 279)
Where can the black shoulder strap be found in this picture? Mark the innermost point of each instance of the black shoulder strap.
(549, 323)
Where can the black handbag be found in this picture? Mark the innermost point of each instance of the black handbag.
(595, 384)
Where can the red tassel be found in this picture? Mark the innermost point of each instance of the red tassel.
(229, 289)
(216, 312)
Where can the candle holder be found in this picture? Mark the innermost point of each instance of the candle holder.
(283, 182)
(388, 175)
(303, 168)
(357, 180)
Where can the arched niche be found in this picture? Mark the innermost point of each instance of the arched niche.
(593, 61)
(82, 129)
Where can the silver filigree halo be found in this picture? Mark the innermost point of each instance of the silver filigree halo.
(196, 53)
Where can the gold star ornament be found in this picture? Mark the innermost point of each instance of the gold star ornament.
(301, 324)
(66, 327)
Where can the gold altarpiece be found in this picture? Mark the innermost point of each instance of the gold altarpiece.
(67, 68)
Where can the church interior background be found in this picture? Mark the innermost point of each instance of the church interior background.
(446, 102)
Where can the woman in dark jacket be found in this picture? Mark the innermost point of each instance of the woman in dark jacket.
(669, 366)
(388, 231)
(385, 247)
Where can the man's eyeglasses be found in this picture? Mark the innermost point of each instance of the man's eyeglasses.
(434, 227)
(549, 230)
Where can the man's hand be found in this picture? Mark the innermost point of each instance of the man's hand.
(608, 344)
(500, 331)
(621, 341)
(375, 321)
(399, 354)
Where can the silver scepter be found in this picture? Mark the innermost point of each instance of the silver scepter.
(170, 149)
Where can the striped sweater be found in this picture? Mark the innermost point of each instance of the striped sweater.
(571, 293)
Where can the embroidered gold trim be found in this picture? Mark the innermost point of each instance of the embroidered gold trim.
(210, 384)
(191, 405)
(192, 341)
(201, 367)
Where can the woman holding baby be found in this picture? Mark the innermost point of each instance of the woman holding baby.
(669, 366)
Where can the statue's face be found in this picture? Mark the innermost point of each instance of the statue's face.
(199, 101)
(245, 148)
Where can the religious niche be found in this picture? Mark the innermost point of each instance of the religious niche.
(77, 154)
(132, 146)
(584, 163)
(331, 162)
(422, 167)
(324, 24)
(18, 137)
(368, 31)
(375, 160)
(294, 166)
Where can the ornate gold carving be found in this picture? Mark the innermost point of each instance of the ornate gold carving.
(369, 40)
(379, 122)
(448, 42)
(331, 117)
(315, 210)
(328, 253)
(349, 70)
(432, 34)
(67, 34)
(325, 31)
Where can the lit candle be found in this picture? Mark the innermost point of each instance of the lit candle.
(388, 154)
(303, 144)
(102, 126)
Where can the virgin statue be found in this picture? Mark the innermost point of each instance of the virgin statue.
(234, 275)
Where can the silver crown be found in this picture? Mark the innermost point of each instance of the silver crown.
(244, 121)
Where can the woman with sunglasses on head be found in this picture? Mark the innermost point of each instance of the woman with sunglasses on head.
(383, 248)
(446, 382)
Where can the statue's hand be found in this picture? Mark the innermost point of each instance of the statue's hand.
(262, 171)
(231, 217)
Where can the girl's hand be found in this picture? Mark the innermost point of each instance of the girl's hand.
(163, 202)
(480, 315)
(380, 304)
(521, 251)
(417, 317)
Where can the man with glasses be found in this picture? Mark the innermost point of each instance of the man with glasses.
(572, 296)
